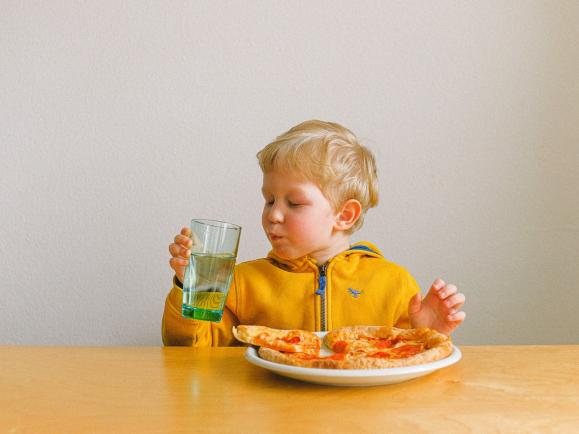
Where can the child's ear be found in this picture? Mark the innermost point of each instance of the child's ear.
(348, 214)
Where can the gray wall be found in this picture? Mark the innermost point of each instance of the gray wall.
(120, 121)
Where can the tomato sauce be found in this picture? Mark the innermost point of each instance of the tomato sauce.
(340, 346)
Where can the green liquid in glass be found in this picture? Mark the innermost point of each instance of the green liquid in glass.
(206, 285)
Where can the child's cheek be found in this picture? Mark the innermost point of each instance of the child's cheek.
(305, 231)
(296, 227)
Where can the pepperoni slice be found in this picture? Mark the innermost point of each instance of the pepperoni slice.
(407, 350)
(380, 355)
(340, 346)
(385, 343)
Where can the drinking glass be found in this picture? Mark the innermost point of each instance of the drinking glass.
(210, 270)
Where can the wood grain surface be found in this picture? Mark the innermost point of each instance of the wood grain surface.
(214, 390)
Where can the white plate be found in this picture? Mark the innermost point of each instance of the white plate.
(351, 377)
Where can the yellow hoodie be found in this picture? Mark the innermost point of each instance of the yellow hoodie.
(356, 287)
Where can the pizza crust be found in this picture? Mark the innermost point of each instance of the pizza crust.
(293, 341)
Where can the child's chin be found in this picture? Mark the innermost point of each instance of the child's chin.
(284, 254)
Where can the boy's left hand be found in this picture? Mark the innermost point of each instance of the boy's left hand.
(439, 310)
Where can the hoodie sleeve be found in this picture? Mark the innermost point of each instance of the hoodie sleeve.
(180, 331)
(409, 289)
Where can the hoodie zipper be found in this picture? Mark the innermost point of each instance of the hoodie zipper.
(321, 291)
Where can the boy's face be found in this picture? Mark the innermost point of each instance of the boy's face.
(297, 218)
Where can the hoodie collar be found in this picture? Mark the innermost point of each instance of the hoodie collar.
(306, 263)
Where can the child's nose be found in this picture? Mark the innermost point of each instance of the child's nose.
(275, 215)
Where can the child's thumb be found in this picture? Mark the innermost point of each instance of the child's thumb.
(415, 304)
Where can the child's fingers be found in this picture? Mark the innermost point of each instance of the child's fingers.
(437, 285)
(178, 263)
(180, 252)
(177, 251)
(179, 266)
(455, 301)
(183, 240)
(457, 317)
(447, 291)
(415, 304)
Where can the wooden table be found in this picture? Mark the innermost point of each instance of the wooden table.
(166, 390)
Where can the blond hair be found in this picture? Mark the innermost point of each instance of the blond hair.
(330, 156)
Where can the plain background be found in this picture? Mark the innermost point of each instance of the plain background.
(122, 120)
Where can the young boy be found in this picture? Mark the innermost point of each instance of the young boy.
(318, 183)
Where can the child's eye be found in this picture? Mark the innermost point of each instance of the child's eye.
(293, 204)
(269, 202)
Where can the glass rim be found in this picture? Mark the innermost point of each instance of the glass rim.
(217, 224)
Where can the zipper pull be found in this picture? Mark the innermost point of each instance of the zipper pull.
(322, 280)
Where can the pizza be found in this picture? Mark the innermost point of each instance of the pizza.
(388, 347)
(288, 341)
(365, 347)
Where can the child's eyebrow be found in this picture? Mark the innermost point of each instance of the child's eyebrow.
(296, 191)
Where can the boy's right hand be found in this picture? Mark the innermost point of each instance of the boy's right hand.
(180, 252)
